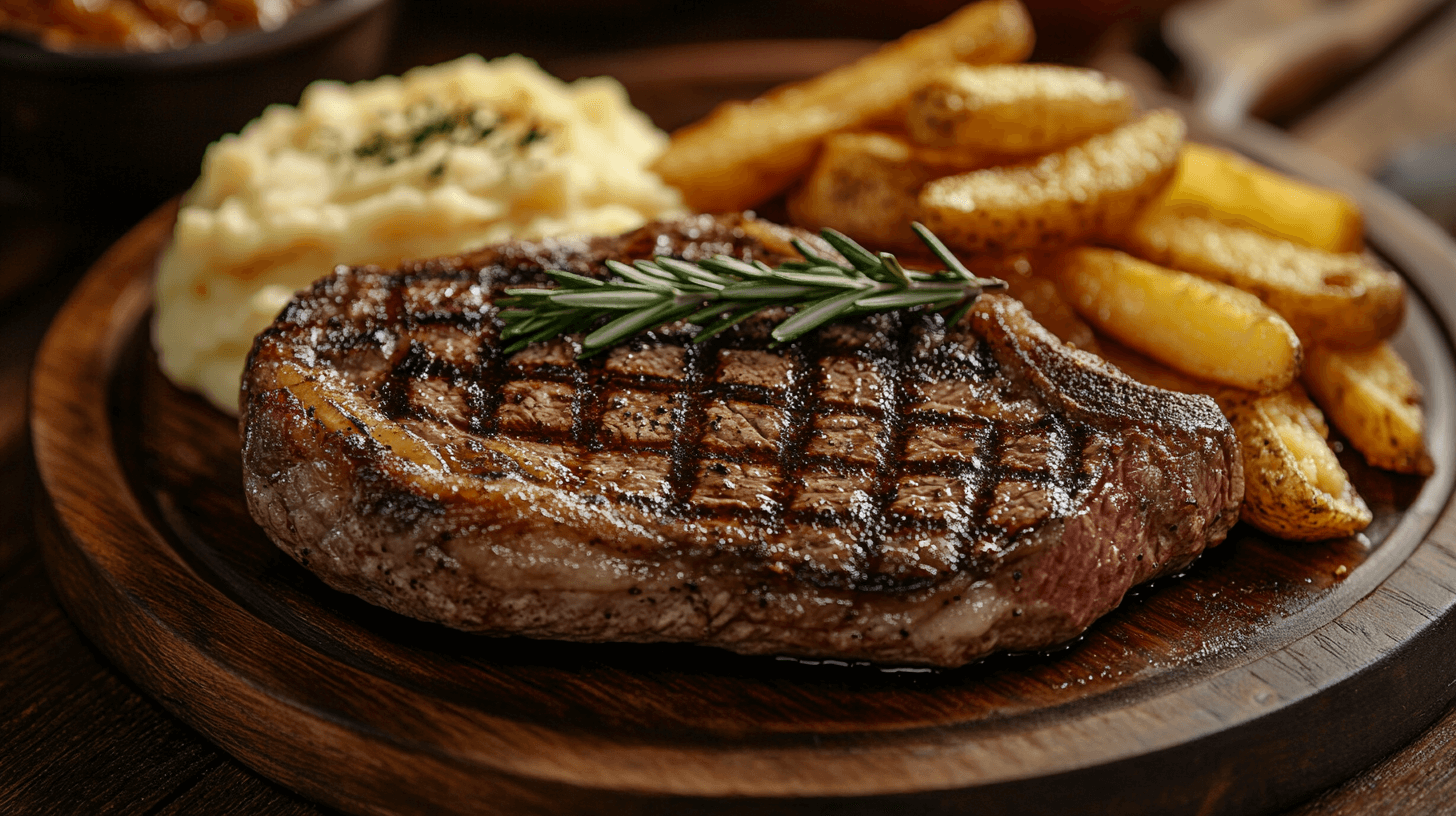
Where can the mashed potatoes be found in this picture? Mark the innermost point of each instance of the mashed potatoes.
(440, 160)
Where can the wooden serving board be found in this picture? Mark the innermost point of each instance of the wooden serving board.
(1266, 672)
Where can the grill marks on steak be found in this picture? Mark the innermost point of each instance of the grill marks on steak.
(892, 488)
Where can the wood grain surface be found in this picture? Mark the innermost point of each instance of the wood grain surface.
(1282, 667)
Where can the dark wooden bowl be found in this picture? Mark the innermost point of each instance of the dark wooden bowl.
(1266, 672)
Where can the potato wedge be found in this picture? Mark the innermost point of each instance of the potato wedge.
(1198, 327)
(1294, 486)
(1342, 300)
(1372, 398)
(1016, 109)
(744, 152)
(1063, 197)
(1226, 187)
(867, 185)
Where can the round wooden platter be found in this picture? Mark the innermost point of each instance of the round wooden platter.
(1266, 672)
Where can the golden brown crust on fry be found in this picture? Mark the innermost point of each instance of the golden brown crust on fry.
(744, 152)
(1226, 187)
(1343, 300)
(1016, 109)
(1201, 328)
(1294, 486)
(867, 185)
(1373, 399)
(1062, 198)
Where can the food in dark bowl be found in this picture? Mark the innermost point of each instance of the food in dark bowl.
(108, 128)
(136, 26)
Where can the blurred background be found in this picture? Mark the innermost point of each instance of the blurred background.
(102, 132)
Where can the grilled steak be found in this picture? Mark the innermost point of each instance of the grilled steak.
(893, 489)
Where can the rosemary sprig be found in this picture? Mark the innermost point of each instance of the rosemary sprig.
(721, 292)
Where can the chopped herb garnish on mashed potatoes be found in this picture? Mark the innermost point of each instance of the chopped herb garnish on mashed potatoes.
(441, 160)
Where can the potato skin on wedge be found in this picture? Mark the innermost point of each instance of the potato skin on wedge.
(1199, 327)
(1294, 486)
(745, 152)
(1061, 198)
(867, 185)
(1016, 109)
(1372, 398)
(1341, 300)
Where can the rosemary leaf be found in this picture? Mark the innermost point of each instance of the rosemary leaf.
(516, 319)
(767, 291)
(859, 257)
(711, 311)
(626, 326)
(568, 279)
(689, 273)
(892, 265)
(733, 266)
(941, 252)
(615, 300)
(524, 328)
(904, 300)
(816, 315)
(552, 329)
(811, 256)
(533, 292)
(657, 273)
(721, 292)
(727, 323)
(815, 278)
(961, 313)
(509, 316)
(638, 275)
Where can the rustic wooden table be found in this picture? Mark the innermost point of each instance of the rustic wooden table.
(76, 737)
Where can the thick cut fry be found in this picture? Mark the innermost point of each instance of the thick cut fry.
(1061, 198)
(745, 152)
(867, 185)
(1373, 399)
(1221, 185)
(1016, 109)
(1294, 486)
(1342, 300)
(1201, 328)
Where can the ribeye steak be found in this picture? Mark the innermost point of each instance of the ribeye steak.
(893, 489)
